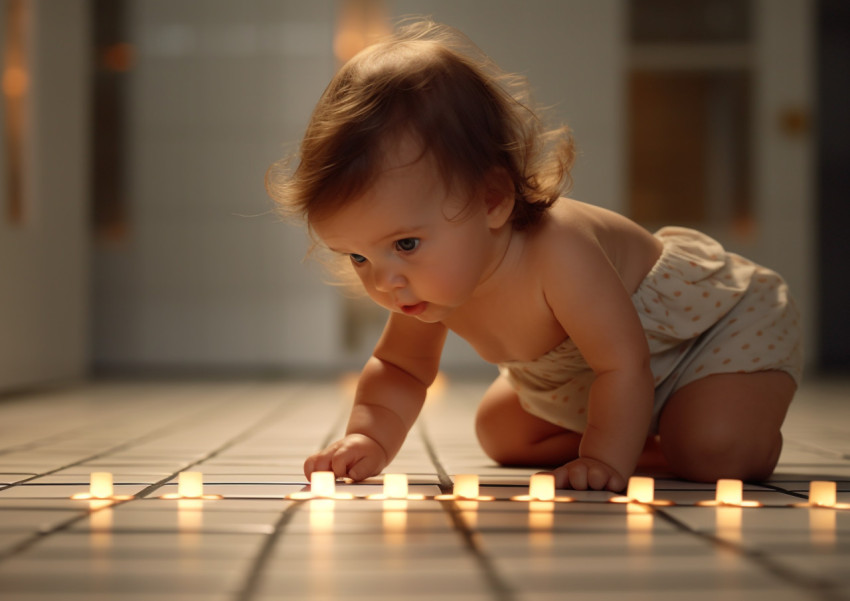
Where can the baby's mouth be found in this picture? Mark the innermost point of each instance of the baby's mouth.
(414, 310)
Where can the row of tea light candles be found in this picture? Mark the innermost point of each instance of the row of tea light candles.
(466, 487)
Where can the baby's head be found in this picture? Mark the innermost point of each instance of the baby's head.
(427, 81)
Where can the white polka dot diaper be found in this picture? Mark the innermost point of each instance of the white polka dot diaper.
(704, 311)
(707, 311)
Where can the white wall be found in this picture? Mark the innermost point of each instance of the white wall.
(209, 277)
(44, 262)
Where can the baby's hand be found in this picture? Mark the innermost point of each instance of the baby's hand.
(584, 473)
(356, 456)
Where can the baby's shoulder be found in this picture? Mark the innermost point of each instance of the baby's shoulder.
(579, 238)
(571, 229)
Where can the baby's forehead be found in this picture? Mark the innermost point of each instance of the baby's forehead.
(406, 155)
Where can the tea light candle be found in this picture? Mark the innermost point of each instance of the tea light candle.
(323, 484)
(729, 492)
(542, 487)
(190, 485)
(822, 493)
(395, 486)
(101, 485)
(641, 489)
(466, 486)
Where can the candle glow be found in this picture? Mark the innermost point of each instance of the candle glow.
(101, 485)
(190, 485)
(395, 486)
(822, 493)
(730, 492)
(466, 486)
(542, 487)
(323, 484)
(641, 489)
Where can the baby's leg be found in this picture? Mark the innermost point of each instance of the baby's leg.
(726, 426)
(512, 436)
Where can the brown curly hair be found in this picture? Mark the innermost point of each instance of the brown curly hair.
(428, 80)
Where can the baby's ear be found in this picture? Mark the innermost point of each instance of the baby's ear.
(499, 198)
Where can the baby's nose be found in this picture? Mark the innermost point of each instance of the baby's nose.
(388, 279)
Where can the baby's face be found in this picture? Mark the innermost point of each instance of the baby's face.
(417, 248)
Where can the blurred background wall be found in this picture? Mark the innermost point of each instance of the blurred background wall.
(136, 236)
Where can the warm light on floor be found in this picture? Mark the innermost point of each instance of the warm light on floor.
(641, 489)
(396, 487)
(190, 485)
(730, 493)
(322, 486)
(823, 494)
(541, 487)
(100, 487)
(465, 487)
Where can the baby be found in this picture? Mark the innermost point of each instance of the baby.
(428, 172)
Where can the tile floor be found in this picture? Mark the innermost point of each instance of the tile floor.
(249, 439)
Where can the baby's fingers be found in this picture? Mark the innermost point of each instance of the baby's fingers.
(320, 462)
(342, 462)
(572, 475)
(597, 477)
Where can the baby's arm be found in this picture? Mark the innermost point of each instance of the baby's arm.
(389, 396)
(589, 300)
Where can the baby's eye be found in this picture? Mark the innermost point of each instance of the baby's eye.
(407, 244)
(355, 258)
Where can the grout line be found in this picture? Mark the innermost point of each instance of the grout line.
(252, 581)
(249, 588)
(501, 590)
(117, 415)
(153, 434)
(264, 422)
(823, 590)
(785, 491)
(40, 535)
(442, 475)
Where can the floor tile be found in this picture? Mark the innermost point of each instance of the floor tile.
(254, 544)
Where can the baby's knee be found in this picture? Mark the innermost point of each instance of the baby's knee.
(712, 453)
(493, 434)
